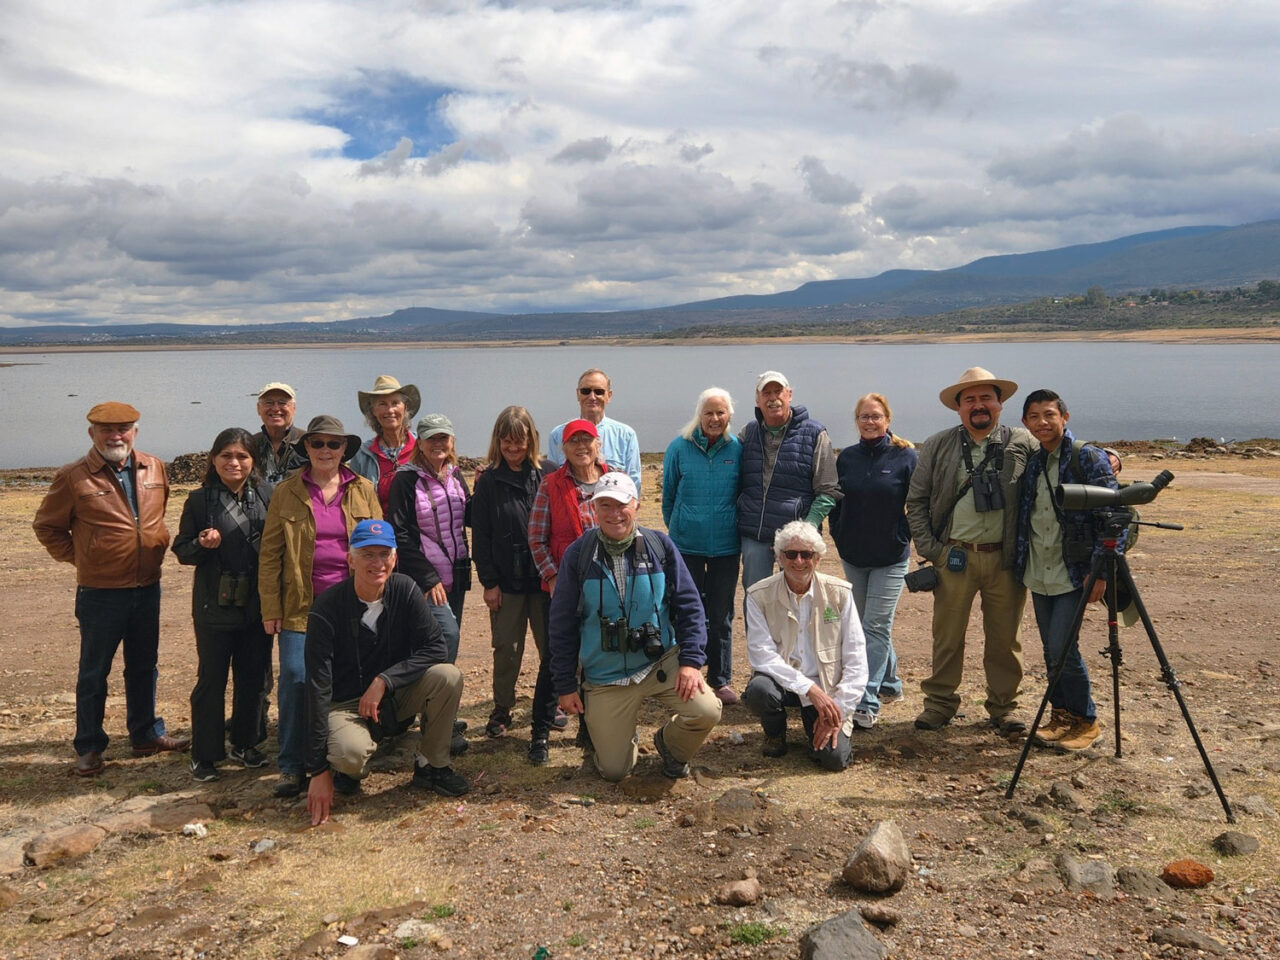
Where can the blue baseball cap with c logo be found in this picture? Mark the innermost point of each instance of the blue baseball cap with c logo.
(373, 533)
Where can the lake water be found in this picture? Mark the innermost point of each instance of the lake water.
(1114, 390)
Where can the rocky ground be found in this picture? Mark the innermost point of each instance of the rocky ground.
(554, 857)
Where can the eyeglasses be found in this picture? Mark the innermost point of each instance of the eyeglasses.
(316, 443)
(799, 554)
(871, 417)
(592, 391)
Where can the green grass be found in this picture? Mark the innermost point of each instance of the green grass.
(442, 910)
(644, 823)
(577, 940)
(754, 932)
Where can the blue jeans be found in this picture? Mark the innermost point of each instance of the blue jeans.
(716, 579)
(765, 698)
(291, 696)
(757, 562)
(1054, 617)
(875, 593)
(448, 626)
(107, 617)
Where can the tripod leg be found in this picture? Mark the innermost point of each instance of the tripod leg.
(1175, 686)
(1055, 672)
(1113, 651)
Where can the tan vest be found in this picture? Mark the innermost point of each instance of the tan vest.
(830, 594)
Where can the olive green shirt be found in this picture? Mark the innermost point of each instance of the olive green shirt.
(1046, 572)
(967, 524)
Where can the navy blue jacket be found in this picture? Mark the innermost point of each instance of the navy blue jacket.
(790, 493)
(869, 524)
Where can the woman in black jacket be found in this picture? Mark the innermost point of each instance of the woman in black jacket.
(218, 535)
(499, 513)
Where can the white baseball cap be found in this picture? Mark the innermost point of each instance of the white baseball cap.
(615, 485)
(771, 376)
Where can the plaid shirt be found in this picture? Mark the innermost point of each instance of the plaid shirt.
(540, 528)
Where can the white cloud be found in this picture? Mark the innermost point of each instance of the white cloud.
(194, 160)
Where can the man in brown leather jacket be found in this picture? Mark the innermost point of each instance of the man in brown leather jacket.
(104, 513)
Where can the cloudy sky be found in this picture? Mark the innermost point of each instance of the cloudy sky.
(225, 161)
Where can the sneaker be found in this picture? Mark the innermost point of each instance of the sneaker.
(248, 756)
(290, 785)
(892, 696)
(440, 779)
(727, 695)
(457, 744)
(1082, 734)
(775, 746)
(1008, 725)
(864, 719)
(539, 754)
(930, 720)
(1057, 727)
(459, 726)
(344, 784)
(671, 767)
(499, 720)
(203, 771)
(561, 721)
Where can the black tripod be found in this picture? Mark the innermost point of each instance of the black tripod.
(1112, 566)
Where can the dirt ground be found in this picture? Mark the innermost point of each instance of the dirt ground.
(556, 857)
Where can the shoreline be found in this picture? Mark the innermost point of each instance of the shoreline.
(1232, 335)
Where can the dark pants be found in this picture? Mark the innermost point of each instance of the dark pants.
(1054, 617)
(767, 700)
(107, 617)
(543, 713)
(246, 651)
(717, 579)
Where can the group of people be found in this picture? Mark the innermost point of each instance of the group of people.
(352, 557)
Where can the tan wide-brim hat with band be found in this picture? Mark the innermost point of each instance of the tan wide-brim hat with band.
(976, 377)
(330, 426)
(385, 385)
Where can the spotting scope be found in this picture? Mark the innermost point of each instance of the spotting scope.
(1082, 496)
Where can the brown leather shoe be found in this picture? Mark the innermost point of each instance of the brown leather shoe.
(88, 764)
(160, 745)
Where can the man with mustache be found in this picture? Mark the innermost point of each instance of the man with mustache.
(962, 508)
(787, 472)
(105, 514)
(274, 448)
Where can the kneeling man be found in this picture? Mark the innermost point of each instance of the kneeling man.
(376, 659)
(807, 650)
(626, 607)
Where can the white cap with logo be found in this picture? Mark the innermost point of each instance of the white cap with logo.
(615, 485)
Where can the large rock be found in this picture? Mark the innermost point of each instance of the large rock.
(1255, 806)
(162, 817)
(1141, 883)
(1233, 843)
(1187, 939)
(844, 937)
(68, 843)
(12, 856)
(1186, 874)
(739, 893)
(1096, 876)
(882, 861)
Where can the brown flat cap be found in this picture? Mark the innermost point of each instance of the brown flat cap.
(113, 411)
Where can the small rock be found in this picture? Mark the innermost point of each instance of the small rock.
(966, 930)
(221, 853)
(880, 915)
(197, 830)
(442, 944)
(329, 919)
(736, 738)
(739, 893)
(882, 861)
(1141, 883)
(8, 896)
(1235, 844)
(697, 931)
(265, 845)
(1199, 789)
(102, 929)
(315, 943)
(1096, 876)
(1255, 806)
(1186, 874)
(418, 930)
(369, 951)
(1187, 939)
(1065, 796)
(67, 843)
(843, 937)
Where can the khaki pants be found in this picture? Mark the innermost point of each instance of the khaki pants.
(435, 695)
(519, 613)
(1002, 601)
(612, 713)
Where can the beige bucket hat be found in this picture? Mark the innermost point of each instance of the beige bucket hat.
(973, 377)
(385, 385)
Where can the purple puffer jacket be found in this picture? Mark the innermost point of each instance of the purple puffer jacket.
(429, 518)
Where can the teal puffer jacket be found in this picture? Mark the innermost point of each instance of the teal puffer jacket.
(700, 493)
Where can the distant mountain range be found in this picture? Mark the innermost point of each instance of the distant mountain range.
(1207, 257)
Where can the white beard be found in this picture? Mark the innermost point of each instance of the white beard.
(116, 452)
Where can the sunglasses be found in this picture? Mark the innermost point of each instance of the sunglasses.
(316, 444)
(592, 391)
(799, 554)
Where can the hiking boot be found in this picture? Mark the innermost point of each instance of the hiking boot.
(440, 779)
(457, 743)
(1082, 734)
(248, 756)
(1057, 727)
(863, 719)
(499, 721)
(539, 755)
(202, 771)
(344, 784)
(932, 720)
(290, 785)
(1008, 725)
(672, 768)
(459, 726)
(727, 695)
(775, 746)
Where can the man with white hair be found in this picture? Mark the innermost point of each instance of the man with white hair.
(807, 650)
(275, 445)
(104, 513)
(627, 610)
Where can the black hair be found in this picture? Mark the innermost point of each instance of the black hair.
(225, 439)
(1042, 396)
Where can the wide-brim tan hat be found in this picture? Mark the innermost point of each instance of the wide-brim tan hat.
(385, 385)
(974, 377)
(331, 426)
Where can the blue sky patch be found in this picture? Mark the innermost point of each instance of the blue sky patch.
(379, 108)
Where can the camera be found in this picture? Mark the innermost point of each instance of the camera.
(646, 637)
(618, 636)
(233, 590)
(462, 573)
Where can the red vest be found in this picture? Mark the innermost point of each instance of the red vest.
(570, 515)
